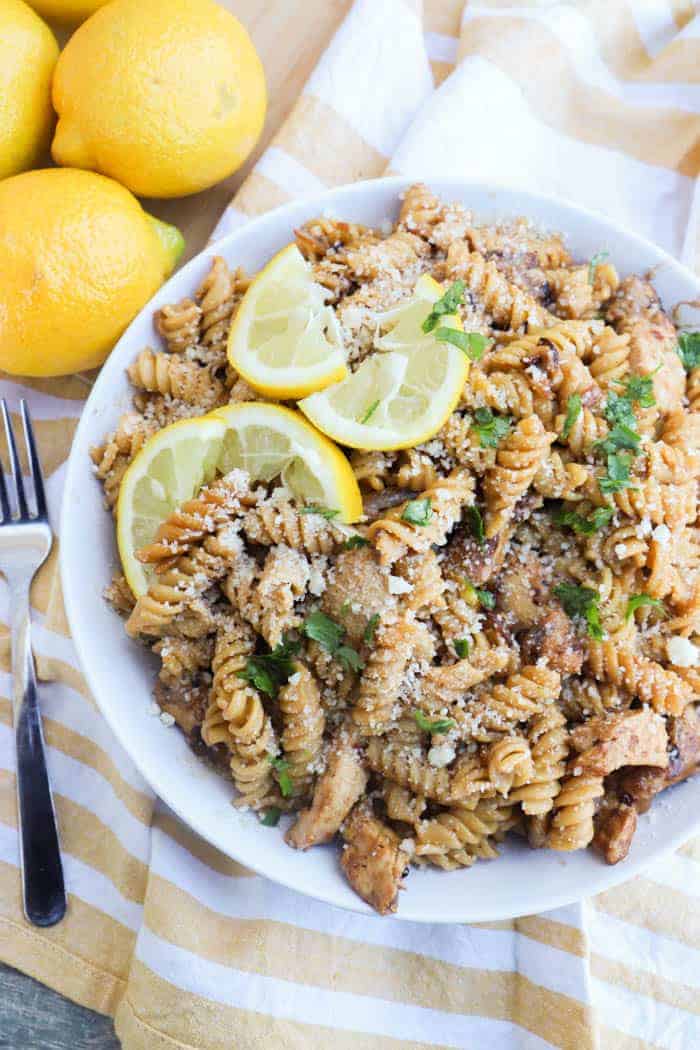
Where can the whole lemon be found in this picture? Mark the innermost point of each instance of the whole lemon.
(69, 11)
(167, 96)
(28, 53)
(79, 257)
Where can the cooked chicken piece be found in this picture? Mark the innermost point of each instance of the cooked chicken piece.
(372, 860)
(637, 311)
(521, 591)
(614, 833)
(555, 641)
(337, 790)
(356, 591)
(630, 738)
(186, 704)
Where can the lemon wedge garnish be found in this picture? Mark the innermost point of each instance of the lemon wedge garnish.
(401, 395)
(171, 467)
(269, 441)
(284, 340)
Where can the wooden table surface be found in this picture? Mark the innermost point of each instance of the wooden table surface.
(289, 36)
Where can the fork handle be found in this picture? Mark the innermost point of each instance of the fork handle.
(43, 887)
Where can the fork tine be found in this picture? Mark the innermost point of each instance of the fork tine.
(34, 461)
(14, 460)
(4, 501)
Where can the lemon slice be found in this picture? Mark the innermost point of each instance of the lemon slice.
(170, 468)
(284, 340)
(400, 396)
(270, 441)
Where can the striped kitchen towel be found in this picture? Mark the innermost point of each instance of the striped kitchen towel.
(598, 102)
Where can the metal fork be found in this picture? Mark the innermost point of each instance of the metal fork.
(25, 541)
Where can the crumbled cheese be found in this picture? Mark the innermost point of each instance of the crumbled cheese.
(167, 719)
(620, 550)
(356, 607)
(408, 846)
(682, 652)
(441, 755)
(317, 584)
(662, 534)
(644, 528)
(397, 585)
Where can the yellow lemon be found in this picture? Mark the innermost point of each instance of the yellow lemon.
(167, 96)
(79, 257)
(28, 53)
(69, 11)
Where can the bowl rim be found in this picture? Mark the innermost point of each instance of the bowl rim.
(608, 875)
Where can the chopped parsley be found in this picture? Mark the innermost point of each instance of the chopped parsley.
(355, 541)
(281, 767)
(581, 602)
(271, 817)
(639, 389)
(438, 725)
(370, 411)
(325, 512)
(573, 411)
(489, 427)
(345, 607)
(620, 437)
(417, 511)
(476, 524)
(618, 473)
(268, 671)
(372, 623)
(595, 262)
(470, 592)
(461, 647)
(446, 304)
(618, 409)
(585, 526)
(472, 344)
(329, 635)
(636, 601)
(689, 350)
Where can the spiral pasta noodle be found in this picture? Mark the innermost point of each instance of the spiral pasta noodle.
(394, 646)
(175, 377)
(463, 833)
(574, 809)
(395, 535)
(281, 522)
(519, 457)
(502, 706)
(507, 305)
(179, 325)
(303, 722)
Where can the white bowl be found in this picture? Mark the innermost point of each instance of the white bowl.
(121, 674)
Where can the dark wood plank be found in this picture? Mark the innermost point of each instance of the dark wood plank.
(32, 1017)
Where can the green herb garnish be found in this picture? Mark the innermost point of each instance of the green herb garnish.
(476, 524)
(619, 409)
(345, 607)
(329, 635)
(355, 541)
(271, 817)
(581, 602)
(446, 304)
(325, 512)
(486, 598)
(281, 766)
(689, 350)
(585, 526)
(472, 344)
(268, 671)
(639, 389)
(618, 473)
(573, 410)
(372, 623)
(439, 725)
(595, 262)
(461, 646)
(370, 411)
(417, 511)
(489, 427)
(636, 601)
(620, 437)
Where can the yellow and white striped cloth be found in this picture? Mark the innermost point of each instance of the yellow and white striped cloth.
(596, 101)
